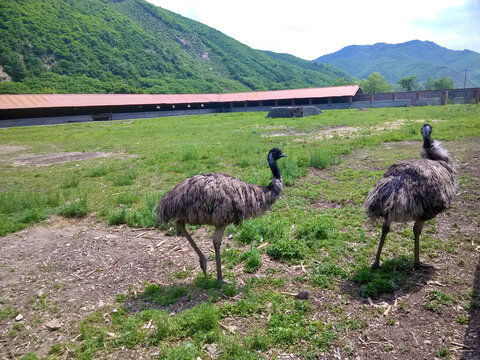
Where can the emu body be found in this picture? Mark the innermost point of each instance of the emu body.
(416, 189)
(218, 199)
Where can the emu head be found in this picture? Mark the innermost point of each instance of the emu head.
(276, 153)
(426, 131)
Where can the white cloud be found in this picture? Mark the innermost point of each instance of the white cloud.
(309, 29)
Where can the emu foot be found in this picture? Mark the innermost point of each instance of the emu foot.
(223, 281)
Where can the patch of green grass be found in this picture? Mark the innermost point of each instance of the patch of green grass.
(29, 356)
(97, 171)
(203, 318)
(252, 259)
(125, 178)
(232, 348)
(388, 278)
(184, 351)
(58, 349)
(443, 353)
(158, 295)
(127, 198)
(40, 303)
(323, 158)
(8, 312)
(258, 340)
(19, 210)
(350, 323)
(315, 230)
(324, 275)
(437, 301)
(189, 154)
(265, 228)
(71, 181)
(117, 217)
(287, 249)
(77, 208)
(463, 320)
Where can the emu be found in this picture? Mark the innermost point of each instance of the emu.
(416, 189)
(218, 199)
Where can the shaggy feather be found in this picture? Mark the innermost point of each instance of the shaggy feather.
(217, 199)
(411, 190)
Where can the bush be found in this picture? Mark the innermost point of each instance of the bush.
(97, 171)
(77, 208)
(125, 178)
(262, 229)
(117, 217)
(287, 249)
(184, 351)
(253, 261)
(323, 158)
(315, 230)
(388, 278)
(203, 318)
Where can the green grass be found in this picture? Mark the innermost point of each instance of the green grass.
(319, 225)
(437, 301)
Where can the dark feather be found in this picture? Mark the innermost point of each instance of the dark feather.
(216, 199)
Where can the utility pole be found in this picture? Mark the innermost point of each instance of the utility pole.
(465, 80)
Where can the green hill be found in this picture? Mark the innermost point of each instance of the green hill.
(131, 46)
(424, 59)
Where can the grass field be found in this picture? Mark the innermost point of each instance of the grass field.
(316, 238)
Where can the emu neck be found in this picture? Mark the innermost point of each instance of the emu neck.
(274, 167)
(427, 142)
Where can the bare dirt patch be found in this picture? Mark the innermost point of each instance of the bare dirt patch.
(329, 132)
(8, 149)
(56, 158)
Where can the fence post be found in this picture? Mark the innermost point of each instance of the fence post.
(444, 97)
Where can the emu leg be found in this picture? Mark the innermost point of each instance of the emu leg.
(417, 230)
(203, 259)
(385, 230)
(217, 242)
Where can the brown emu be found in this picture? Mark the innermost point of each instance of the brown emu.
(416, 189)
(218, 199)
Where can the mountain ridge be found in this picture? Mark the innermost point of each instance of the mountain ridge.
(423, 59)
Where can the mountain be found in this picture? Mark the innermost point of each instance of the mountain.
(424, 59)
(131, 46)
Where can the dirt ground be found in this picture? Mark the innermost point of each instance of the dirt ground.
(65, 269)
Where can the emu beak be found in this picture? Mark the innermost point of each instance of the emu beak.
(283, 155)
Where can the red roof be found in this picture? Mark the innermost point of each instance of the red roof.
(86, 100)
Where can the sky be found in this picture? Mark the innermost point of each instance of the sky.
(311, 28)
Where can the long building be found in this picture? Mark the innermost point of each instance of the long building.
(41, 109)
(32, 109)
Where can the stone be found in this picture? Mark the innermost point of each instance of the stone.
(19, 317)
(53, 325)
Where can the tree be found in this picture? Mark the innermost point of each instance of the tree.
(430, 84)
(440, 84)
(375, 83)
(444, 83)
(341, 82)
(407, 83)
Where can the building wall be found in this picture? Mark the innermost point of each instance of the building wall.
(392, 99)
